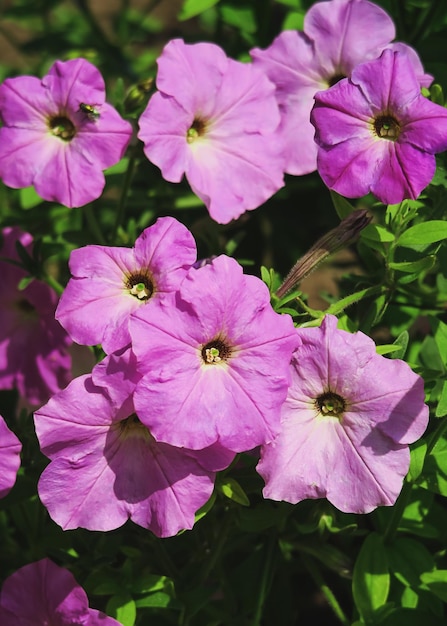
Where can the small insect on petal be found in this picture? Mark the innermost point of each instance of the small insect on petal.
(90, 111)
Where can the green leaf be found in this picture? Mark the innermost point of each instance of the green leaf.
(422, 265)
(122, 607)
(205, 508)
(29, 198)
(191, 8)
(241, 18)
(440, 336)
(402, 342)
(341, 205)
(423, 234)
(387, 348)
(23, 284)
(148, 583)
(371, 578)
(434, 477)
(266, 276)
(160, 600)
(295, 4)
(294, 21)
(441, 409)
(440, 177)
(408, 559)
(436, 582)
(231, 489)
(417, 459)
(118, 168)
(412, 617)
(375, 232)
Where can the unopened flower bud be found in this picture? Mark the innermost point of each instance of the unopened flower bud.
(137, 96)
(344, 234)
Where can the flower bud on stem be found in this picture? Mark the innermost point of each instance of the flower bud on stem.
(344, 234)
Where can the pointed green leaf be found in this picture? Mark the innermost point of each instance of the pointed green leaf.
(423, 234)
(371, 578)
(122, 607)
(422, 265)
(231, 489)
(437, 583)
(191, 8)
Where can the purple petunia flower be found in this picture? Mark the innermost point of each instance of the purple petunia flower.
(346, 424)
(109, 284)
(106, 467)
(338, 35)
(10, 448)
(376, 132)
(33, 345)
(215, 362)
(59, 134)
(43, 593)
(214, 119)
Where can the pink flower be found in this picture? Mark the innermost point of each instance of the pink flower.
(33, 345)
(10, 448)
(43, 593)
(109, 284)
(215, 361)
(214, 120)
(106, 467)
(338, 35)
(346, 424)
(376, 132)
(59, 134)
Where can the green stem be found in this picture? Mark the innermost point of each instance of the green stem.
(125, 189)
(214, 556)
(396, 513)
(266, 575)
(315, 573)
(54, 284)
(398, 14)
(93, 224)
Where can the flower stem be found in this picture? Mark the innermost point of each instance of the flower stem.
(213, 558)
(93, 224)
(54, 284)
(315, 573)
(266, 576)
(125, 189)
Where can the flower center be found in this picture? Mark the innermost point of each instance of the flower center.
(197, 130)
(132, 427)
(336, 78)
(216, 351)
(330, 404)
(140, 285)
(387, 127)
(24, 306)
(62, 127)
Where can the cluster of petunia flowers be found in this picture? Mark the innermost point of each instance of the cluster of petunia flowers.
(339, 97)
(199, 367)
